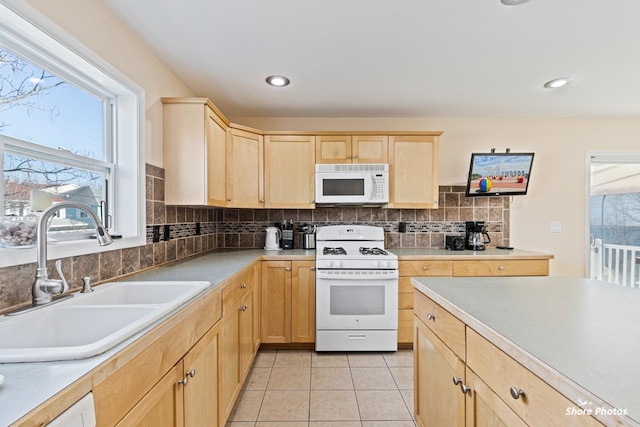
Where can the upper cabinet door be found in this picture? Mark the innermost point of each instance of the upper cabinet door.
(289, 171)
(245, 182)
(216, 160)
(194, 152)
(333, 149)
(413, 171)
(370, 149)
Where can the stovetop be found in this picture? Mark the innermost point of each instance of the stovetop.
(353, 247)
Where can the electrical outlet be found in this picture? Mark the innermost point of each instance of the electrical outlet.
(156, 234)
(556, 227)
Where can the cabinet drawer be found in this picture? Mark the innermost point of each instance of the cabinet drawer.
(424, 268)
(449, 329)
(237, 289)
(522, 267)
(540, 405)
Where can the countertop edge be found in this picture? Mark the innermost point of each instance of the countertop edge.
(554, 378)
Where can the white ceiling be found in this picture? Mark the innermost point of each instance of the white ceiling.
(403, 58)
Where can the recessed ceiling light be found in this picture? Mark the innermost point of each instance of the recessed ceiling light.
(512, 2)
(278, 81)
(557, 83)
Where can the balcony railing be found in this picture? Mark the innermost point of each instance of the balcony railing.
(618, 264)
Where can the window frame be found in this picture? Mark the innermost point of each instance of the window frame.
(30, 34)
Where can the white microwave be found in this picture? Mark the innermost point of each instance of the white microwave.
(352, 184)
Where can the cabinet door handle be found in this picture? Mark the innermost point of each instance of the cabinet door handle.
(228, 200)
(465, 389)
(312, 268)
(242, 286)
(457, 380)
(191, 373)
(184, 381)
(425, 268)
(287, 268)
(261, 201)
(244, 307)
(349, 156)
(431, 316)
(516, 392)
(355, 156)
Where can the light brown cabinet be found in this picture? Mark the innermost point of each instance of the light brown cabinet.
(194, 148)
(438, 402)
(288, 302)
(408, 268)
(352, 149)
(245, 176)
(461, 379)
(186, 395)
(237, 346)
(413, 171)
(289, 171)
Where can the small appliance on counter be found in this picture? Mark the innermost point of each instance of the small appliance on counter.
(287, 234)
(308, 236)
(476, 236)
(454, 243)
(272, 239)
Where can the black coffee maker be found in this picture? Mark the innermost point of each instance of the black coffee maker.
(476, 237)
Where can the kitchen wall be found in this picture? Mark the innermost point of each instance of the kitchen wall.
(425, 228)
(557, 190)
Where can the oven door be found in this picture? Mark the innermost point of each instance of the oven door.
(353, 299)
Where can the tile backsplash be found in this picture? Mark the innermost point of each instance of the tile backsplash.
(176, 232)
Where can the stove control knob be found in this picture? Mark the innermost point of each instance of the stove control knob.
(385, 264)
(338, 263)
(329, 263)
(377, 264)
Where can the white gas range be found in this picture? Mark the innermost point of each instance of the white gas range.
(356, 290)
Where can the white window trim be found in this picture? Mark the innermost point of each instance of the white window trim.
(27, 30)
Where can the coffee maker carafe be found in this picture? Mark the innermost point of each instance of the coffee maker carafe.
(476, 236)
(287, 234)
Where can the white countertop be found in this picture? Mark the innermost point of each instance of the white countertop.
(586, 330)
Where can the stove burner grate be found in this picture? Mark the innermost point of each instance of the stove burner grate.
(373, 251)
(333, 251)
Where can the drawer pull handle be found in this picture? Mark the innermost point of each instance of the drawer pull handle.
(516, 392)
(191, 373)
(243, 286)
(425, 268)
(431, 316)
(244, 307)
(501, 268)
(457, 380)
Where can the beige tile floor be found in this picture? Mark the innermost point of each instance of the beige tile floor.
(300, 388)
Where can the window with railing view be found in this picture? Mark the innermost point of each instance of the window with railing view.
(615, 219)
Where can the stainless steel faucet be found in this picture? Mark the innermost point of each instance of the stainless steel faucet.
(44, 288)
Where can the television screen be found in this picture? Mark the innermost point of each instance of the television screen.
(499, 174)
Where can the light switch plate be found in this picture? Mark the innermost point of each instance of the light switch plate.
(556, 227)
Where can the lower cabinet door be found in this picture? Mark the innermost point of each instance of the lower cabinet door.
(485, 408)
(201, 390)
(229, 362)
(303, 302)
(438, 401)
(162, 406)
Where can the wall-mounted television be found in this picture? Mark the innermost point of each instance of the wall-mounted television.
(499, 174)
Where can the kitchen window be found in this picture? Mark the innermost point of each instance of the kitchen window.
(71, 129)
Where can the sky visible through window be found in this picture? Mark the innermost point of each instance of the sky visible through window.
(38, 107)
(55, 113)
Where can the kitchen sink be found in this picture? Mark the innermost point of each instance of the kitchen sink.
(125, 293)
(89, 324)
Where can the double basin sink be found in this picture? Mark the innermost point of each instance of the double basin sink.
(89, 324)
